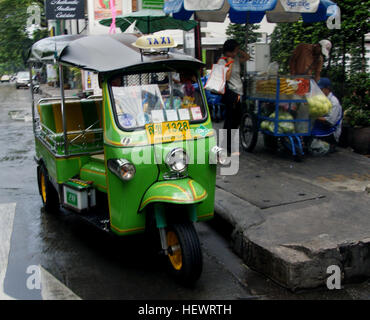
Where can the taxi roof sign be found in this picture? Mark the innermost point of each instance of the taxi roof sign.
(151, 42)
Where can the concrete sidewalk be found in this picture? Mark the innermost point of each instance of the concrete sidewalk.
(291, 221)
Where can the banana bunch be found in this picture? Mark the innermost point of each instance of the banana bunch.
(286, 87)
(269, 87)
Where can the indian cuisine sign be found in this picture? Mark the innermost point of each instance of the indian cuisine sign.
(64, 9)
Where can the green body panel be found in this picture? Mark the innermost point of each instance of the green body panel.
(183, 191)
(60, 169)
(125, 196)
(95, 171)
(199, 169)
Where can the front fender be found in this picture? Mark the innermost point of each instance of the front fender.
(184, 191)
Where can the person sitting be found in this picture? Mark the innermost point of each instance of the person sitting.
(329, 127)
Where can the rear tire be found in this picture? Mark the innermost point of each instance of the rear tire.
(49, 195)
(248, 131)
(185, 261)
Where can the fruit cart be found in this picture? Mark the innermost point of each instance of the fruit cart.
(277, 108)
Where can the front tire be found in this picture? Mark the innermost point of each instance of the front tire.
(185, 256)
(49, 195)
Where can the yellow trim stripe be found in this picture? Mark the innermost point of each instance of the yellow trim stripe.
(190, 183)
(126, 230)
(164, 198)
(92, 171)
(206, 215)
(175, 186)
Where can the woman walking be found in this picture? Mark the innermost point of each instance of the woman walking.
(233, 57)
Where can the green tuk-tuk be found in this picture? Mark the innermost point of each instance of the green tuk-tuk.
(141, 156)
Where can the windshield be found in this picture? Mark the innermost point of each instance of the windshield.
(23, 75)
(147, 98)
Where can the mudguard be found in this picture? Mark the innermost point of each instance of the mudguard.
(184, 191)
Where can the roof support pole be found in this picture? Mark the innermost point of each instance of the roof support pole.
(64, 116)
(33, 100)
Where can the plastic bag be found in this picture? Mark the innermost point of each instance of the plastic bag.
(319, 147)
(273, 68)
(216, 82)
(319, 104)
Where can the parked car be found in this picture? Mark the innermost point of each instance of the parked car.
(5, 78)
(23, 79)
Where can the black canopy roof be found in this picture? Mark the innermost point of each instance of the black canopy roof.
(104, 53)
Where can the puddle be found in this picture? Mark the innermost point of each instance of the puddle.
(12, 158)
(17, 115)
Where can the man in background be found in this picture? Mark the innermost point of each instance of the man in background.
(329, 127)
(308, 59)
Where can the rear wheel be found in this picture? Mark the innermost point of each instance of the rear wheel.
(248, 131)
(185, 256)
(49, 195)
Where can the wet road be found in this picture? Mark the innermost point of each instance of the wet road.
(73, 259)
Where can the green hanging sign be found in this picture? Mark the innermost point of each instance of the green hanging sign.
(153, 4)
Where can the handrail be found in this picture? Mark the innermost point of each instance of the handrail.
(57, 98)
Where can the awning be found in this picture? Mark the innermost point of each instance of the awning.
(103, 53)
(250, 11)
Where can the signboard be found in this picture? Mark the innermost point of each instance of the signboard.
(301, 6)
(91, 82)
(64, 9)
(102, 9)
(51, 73)
(152, 4)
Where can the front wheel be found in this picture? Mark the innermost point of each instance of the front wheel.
(185, 256)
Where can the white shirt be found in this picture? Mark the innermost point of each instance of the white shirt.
(235, 83)
(335, 114)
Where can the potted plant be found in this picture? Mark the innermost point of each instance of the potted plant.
(356, 107)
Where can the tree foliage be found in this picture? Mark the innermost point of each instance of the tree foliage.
(14, 38)
(243, 33)
(348, 55)
(349, 40)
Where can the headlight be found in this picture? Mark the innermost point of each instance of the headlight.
(221, 155)
(177, 160)
(122, 168)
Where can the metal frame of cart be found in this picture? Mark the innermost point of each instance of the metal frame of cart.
(295, 143)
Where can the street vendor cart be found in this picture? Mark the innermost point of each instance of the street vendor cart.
(277, 107)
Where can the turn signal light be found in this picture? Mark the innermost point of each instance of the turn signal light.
(122, 168)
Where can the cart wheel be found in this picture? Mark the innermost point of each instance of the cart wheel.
(185, 255)
(49, 195)
(248, 131)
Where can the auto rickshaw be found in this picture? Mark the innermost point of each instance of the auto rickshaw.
(141, 156)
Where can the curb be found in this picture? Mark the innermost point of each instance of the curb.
(291, 265)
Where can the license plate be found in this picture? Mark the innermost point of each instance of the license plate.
(168, 131)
